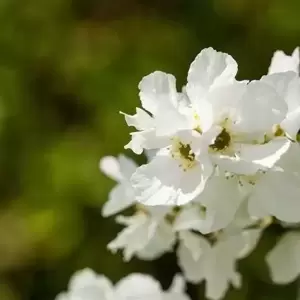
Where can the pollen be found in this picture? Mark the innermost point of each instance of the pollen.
(222, 141)
(184, 154)
(278, 131)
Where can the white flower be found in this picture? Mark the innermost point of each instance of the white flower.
(209, 70)
(226, 109)
(287, 85)
(122, 195)
(87, 285)
(284, 77)
(284, 259)
(193, 217)
(223, 205)
(171, 111)
(283, 63)
(147, 235)
(168, 113)
(214, 127)
(176, 290)
(240, 133)
(216, 264)
(277, 192)
(176, 175)
(143, 287)
(215, 208)
(137, 287)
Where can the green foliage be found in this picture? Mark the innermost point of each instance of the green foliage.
(66, 69)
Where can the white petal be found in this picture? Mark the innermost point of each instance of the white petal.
(281, 82)
(150, 154)
(141, 120)
(290, 161)
(191, 218)
(137, 142)
(178, 284)
(222, 268)
(234, 165)
(292, 96)
(164, 182)
(206, 139)
(157, 87)
(216, 264)
(86, 284)
(176, 290)
(251, 238)
(109, 165)
(282, 63)
(191, 253)
(195, 244)
(284, 259)
(91, 293)
(263, 102)
(163, 241)
(291, 124)
(121, 197)
(152, 182)
(222, 198)
(175, 296)
(256, 207)
(287, 86)
(209, 69)
(278, 192)
(87, 277)
(243, 218)
(127, 166)
(265, 155)
(199, 142)
(225, 99)
(137, 286)
(146, 140)
(204, 114)
(134, 237)
(169, 120)
(62, 296)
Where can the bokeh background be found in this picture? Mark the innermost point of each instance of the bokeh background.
(66, 69)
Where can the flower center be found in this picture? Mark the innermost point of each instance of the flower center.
(278, 131)
(184, 154)
(222, 141)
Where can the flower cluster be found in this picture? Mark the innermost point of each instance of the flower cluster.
(223, 164)
(204, 253)
(87, 285)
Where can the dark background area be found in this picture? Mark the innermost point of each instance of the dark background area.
(66, 69)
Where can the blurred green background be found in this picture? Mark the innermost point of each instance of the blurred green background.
(66, 69)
